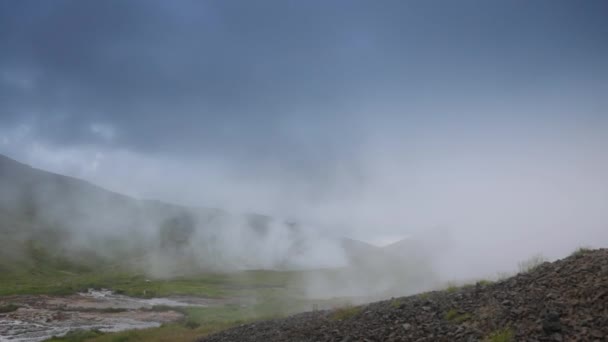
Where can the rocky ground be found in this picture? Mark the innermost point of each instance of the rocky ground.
(566, 300)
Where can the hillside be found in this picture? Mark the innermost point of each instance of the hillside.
(76, 221)
(566, 300)
(61, 236)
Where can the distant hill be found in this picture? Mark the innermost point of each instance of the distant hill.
(68, 216)
(51, 224)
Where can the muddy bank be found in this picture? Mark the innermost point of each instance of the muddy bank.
(41, 317)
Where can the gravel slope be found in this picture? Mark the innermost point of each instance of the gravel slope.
(566, 300)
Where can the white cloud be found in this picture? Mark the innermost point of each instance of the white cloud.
(498, 203)
(104, 131)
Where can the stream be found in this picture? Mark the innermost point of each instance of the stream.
(40, 317)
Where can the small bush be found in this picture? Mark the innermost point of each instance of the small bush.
(581, 250)
(531, 264)
(345, 312)
(502, 335)
(424, 295)
(452, 287)
(8, 308)
(190, 324)
(484, 282)
(454, 316)
(396, 303)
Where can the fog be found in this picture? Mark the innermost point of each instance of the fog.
(473, 133)
(477, 203)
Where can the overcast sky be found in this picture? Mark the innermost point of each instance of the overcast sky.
(387, 116)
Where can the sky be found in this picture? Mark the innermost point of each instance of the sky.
(485, 121)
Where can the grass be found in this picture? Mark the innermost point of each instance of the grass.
(484, 282)
(424, 295)
(198, 322)
(32, 267)
(272, 290)
(268, 291)
(268, 294)
(345, 313)
(502, 335)
(166, 333)
(57, 282)
(396, 302)
(33, 282)
(454, 316)
(531, 264)
(452, 287)
(77, 336)
(581, 250)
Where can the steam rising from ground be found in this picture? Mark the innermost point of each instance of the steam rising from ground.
(481, 141)
(476, 205)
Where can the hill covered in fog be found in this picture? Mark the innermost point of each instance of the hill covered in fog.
(71, 216)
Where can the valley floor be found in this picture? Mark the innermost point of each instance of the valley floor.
(39, 317)
(38, 304)
(566, 300)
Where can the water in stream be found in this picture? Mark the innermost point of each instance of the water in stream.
(41, 317)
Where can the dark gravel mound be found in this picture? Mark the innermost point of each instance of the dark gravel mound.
(566, 300)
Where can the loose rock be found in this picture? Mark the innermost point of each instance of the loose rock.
(560, 301)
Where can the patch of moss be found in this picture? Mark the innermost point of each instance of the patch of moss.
(8, 308)
(454, 316)
(345, 313)
(484, 282)
(424, 295)
(452, 287)
(502, 335)
(581, 250)
(395, 303)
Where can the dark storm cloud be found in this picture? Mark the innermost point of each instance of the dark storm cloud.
(226, 77)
